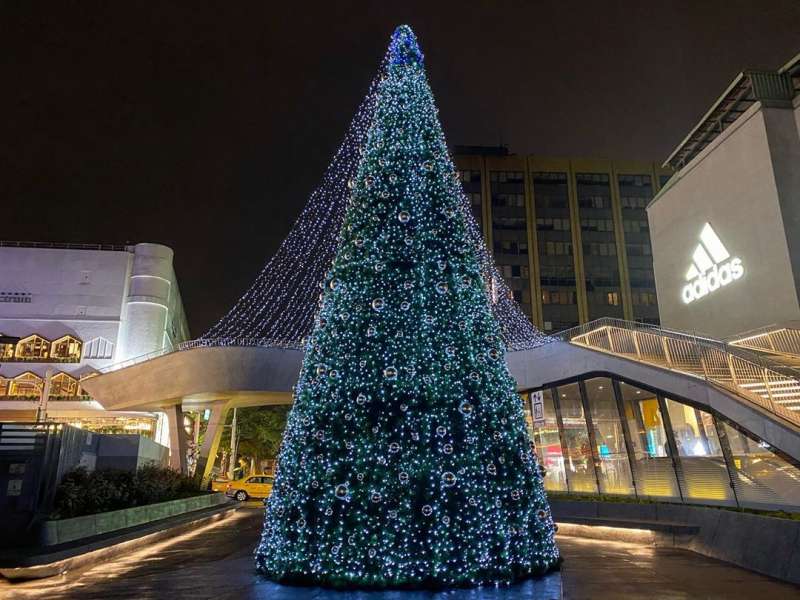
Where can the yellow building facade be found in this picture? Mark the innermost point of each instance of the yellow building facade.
(570, 236)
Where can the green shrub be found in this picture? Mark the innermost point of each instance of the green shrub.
(84, 493)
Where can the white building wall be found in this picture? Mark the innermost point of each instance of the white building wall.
(119, 303)
(732, 184)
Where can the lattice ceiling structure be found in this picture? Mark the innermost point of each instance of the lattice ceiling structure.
(279, 307)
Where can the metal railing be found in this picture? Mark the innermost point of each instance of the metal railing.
(769, 386)
(66, 246)
(204, 343)
(783, 341)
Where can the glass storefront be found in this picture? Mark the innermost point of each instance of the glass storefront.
(604, 436)
(548, 445)
(614, 471)
(575, 440)
(653, 466)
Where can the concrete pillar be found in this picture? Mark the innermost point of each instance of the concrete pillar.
(177, 439)
(208, 451)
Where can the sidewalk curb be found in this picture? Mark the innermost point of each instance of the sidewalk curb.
(57, 563)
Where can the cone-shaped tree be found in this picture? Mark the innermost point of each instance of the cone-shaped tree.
(406, 460)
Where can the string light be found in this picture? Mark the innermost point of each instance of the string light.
(279, 307)
(406, 460)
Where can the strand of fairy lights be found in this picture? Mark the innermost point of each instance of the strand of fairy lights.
(279, 307)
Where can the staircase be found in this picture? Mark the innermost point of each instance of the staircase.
(770, 385)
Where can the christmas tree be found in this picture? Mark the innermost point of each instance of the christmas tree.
(406, 461)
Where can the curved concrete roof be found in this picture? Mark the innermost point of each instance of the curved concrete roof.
(250, 376)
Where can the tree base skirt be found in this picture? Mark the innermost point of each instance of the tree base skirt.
(426, 584)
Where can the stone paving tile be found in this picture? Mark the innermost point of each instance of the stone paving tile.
(217, 563)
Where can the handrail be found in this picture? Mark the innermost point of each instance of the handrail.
(778, 340)
(749, 376)
(203, 343)
(66, 246)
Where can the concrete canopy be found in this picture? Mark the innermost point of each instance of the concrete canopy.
(220, 378)
(243, 376)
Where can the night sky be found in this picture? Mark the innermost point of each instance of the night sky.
(205, 127)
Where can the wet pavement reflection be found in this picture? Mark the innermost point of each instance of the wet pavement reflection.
(216, 562)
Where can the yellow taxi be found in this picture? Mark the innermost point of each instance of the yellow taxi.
(252, 486)
(219, 484)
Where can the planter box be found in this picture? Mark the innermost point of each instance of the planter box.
(68, 530)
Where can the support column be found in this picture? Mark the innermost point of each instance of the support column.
(208, 451)
(177, 439)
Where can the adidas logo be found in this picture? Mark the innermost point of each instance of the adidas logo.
(712, 267)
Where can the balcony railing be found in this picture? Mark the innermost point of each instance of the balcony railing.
(40, 359)
(772, 387)
(28, 398)
(204, 343)
(66, 246)
(780, 341)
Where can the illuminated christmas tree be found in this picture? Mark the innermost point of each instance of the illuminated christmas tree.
(406, 460)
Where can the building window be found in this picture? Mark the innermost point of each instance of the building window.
(67, 349)
(99, 347)
(703, 473)
(32, 348)
(6, 351)
(4, 386)
(635, 442)
(471, 184)
(578, 462)
(63, 385)
(614, 471)
(653, 468)
(26, 385)
(613, 298)
(762, 479)
(548, 446)
(558, 297)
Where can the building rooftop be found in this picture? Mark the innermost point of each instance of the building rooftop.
(771, 88)
(481, 151)
(67, 246)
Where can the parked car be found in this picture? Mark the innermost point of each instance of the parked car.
(253, 486)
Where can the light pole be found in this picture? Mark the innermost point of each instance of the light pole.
(234, 446)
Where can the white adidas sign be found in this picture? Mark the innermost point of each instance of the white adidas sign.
(712, 267)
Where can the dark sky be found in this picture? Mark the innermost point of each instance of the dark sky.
(205, 125)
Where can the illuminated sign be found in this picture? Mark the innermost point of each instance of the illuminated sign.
(712, 267)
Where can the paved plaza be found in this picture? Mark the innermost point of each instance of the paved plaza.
(216, 562)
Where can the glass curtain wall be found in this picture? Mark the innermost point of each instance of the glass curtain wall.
(510, 234)
(556, 254)
(704, 474)
(761, 478)
(635, 192)
(548, 445)
(614, 471)
(578, 459)
(471, 182)
(602, 435)
(653, 465)
(601, 265)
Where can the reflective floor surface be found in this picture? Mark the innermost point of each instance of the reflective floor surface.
(216, 562)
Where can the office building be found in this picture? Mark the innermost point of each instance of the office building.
(570, 236)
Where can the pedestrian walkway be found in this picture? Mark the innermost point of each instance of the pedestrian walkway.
(216, 562)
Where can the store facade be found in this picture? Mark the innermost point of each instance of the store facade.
(602, 435)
